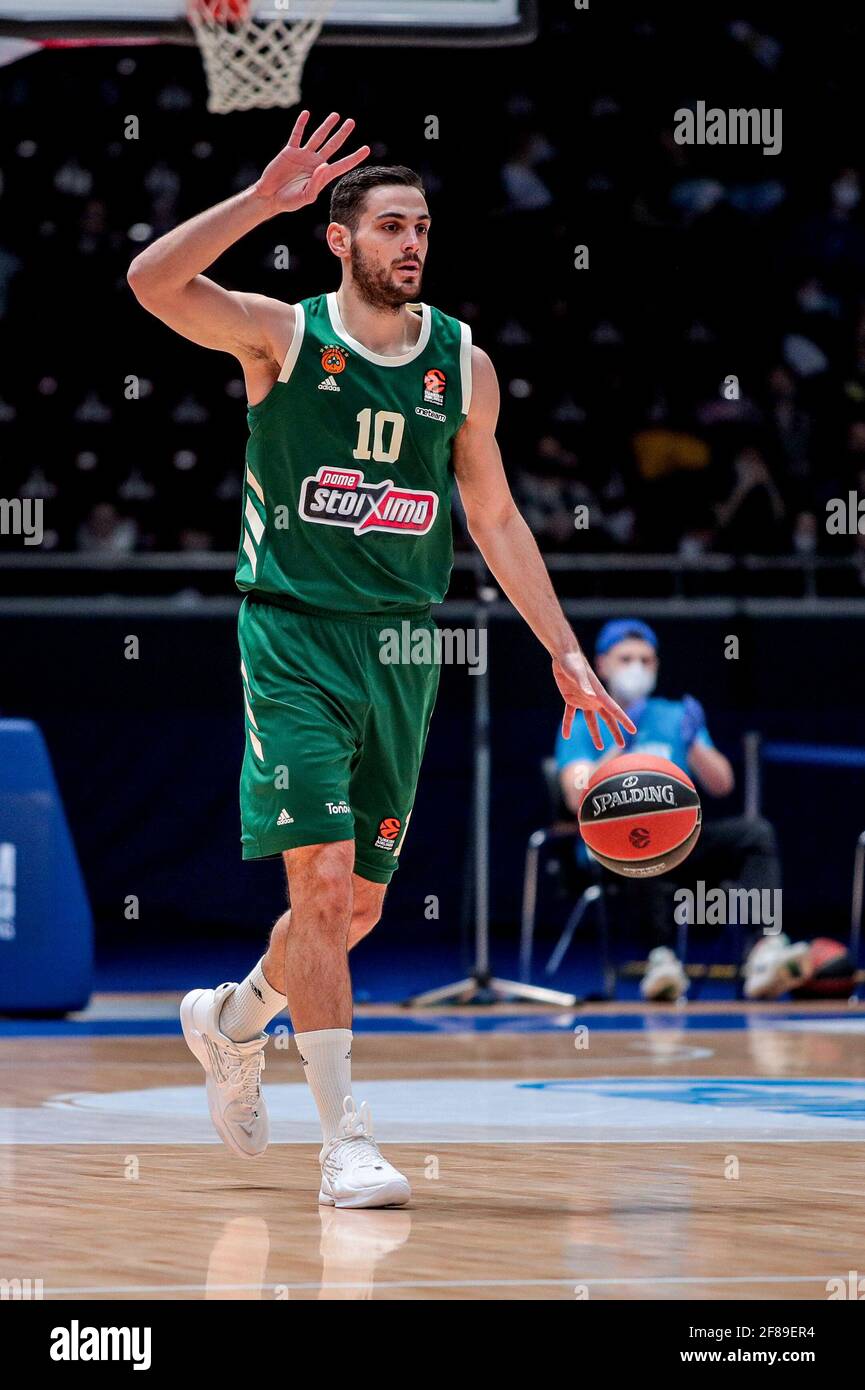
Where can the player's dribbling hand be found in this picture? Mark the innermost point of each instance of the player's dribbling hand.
(299, 172)
(581, 689)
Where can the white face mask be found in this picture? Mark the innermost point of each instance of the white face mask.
(632, 681)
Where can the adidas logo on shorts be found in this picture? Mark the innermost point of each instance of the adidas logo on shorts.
(328, 384)
(284, 818)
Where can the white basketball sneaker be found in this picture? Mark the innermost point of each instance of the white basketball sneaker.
(665, 978)
(354, 1172)
(233, 1071)
(774, 967)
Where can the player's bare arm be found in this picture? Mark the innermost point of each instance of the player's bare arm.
(511, 552)
(712, 770)
(168, 280)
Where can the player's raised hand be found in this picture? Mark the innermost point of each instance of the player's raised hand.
(299, 172)
(581, 689)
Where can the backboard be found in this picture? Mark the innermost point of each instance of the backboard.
(446, 23)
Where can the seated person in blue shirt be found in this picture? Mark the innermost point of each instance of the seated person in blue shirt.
(626, 659)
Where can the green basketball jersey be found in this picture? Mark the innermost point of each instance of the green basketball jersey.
(348, 467)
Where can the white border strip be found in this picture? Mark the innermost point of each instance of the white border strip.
(340, 330)
(642, 1281)
(254, 521)
(466, 366)
(251, 553)
(294, 348)
(254, 484)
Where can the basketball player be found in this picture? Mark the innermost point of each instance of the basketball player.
(363, 407)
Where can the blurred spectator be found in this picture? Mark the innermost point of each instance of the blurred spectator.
(806, 536)
(701, 265)
(736, 849)
(660, 451)
(791, 423)
(750, 518)
(105, 532)
(524, 188)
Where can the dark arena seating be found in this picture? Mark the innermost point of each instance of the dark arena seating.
(602, 1076)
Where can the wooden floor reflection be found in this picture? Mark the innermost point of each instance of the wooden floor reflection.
(512, 1220)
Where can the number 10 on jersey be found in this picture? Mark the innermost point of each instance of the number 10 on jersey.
(380, 452)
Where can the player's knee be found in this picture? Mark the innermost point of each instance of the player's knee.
(321, 891)
(328, 892)
(366, 908)
(279, 931)
(363, 920)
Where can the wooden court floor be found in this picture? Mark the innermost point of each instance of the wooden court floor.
(656, 1161)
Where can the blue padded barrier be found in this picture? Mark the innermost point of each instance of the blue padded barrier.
(46, 927)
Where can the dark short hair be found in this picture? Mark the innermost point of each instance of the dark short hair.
(349, 192)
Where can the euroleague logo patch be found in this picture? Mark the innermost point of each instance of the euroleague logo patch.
(333, 360)
(639, 837)
(434, 383)
(341, 497)
(388, 831)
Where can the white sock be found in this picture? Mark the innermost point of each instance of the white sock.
(326, 1057)
(248, 1010)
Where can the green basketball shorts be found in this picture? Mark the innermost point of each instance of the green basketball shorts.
(334, 735)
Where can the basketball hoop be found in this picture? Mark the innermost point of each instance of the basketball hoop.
(251, 61)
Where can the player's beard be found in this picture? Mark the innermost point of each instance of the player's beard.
(376, 285)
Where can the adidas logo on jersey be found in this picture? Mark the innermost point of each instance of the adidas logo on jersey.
(284, 818)
(328, 384)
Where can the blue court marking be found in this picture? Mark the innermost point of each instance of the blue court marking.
(98, 1028)
(560, 1022)
(823, 1097)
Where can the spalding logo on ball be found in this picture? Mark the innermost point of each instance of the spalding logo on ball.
(640, 815)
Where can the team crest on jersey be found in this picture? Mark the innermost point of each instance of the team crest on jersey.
(341, 497)
(333, 359)
(434, 383)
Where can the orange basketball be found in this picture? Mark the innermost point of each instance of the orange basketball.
(640, 815)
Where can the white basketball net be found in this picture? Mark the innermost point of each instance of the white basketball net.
(253, 62)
